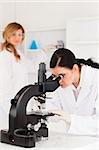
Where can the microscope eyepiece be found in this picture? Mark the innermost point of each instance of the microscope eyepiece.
(41, 73)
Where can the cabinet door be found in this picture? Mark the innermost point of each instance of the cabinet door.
(82, 37)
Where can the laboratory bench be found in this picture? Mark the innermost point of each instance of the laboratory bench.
(59, 140)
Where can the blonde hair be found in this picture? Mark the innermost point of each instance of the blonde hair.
(10, 28)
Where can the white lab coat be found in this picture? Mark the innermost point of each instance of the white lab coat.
(13, 76)
(83, 110)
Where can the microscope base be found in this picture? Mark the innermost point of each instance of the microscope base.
(21, 137)
(27, 141)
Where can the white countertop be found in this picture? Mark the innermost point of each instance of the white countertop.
(59, 140)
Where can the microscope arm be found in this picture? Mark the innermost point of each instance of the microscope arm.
(17, 116)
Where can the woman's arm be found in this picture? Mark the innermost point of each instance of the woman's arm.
(6, 78)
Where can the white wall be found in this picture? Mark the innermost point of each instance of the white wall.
(83, 37)
(7, 13)
(41, 15)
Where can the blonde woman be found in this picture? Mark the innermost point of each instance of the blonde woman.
(13, 68)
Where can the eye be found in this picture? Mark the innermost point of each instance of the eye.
(13, 34)
(17, 34)
(62, 75)
(54, 76)
(20, 34)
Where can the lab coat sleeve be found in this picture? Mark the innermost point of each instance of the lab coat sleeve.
(53, 103)
(5, 75)
(85, 125)
(32, 62)
(5, 89)
(28, 63)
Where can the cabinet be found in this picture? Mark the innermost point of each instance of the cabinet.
(43, 38)
(82, 37)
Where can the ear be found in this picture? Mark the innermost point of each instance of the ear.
(75, 68)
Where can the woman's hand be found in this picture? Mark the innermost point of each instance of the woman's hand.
(63, 115)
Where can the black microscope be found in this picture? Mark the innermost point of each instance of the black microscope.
(26, 129)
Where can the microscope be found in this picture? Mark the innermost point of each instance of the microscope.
(25, 129)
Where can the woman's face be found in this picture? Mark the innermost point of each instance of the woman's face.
(16, 37)
(67, 75)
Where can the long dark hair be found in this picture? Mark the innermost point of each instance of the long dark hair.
(65, 58)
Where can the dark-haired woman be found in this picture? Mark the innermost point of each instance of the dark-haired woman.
(76, 100)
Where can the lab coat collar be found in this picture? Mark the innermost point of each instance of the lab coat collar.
(82, 76)
(87, 76)
(86, 81)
